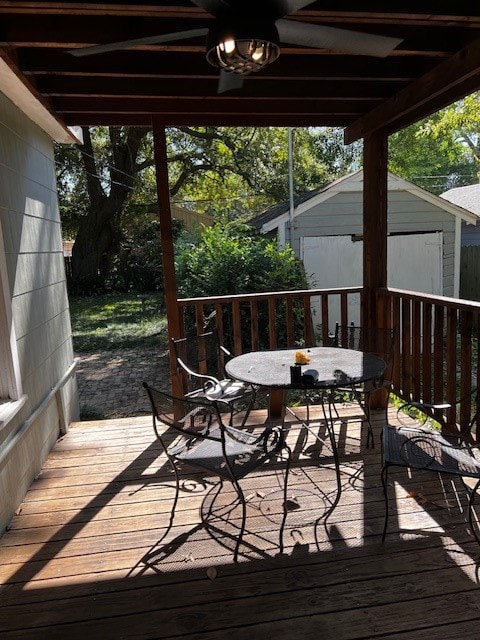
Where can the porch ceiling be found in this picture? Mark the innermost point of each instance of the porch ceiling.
(303, 87)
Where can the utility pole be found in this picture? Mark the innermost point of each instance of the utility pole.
(291, 209)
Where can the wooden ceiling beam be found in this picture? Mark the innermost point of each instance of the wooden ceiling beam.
(447, 82)
(254, 87)
(143, 64)
(216, 105)
(215, 119)
(63, 31)
(405, 13)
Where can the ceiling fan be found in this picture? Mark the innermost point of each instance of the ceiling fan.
(245, 36)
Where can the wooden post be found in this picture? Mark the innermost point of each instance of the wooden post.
(375, 176)
(168, 261)
(375, 154)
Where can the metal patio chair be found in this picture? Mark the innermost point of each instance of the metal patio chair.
(445, 448)
(200, 368)
(204, 442)
(378, 341)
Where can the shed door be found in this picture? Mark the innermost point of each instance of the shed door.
(414, 262)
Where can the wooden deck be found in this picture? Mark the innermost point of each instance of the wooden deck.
(85, 555)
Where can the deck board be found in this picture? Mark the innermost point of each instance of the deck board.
(85, 553)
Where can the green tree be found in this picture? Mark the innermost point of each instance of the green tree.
(93, 194)
(440, 152)
(241, 171)
(460, 122)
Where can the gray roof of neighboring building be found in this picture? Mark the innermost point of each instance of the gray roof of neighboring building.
(277, 209)
(466, 197)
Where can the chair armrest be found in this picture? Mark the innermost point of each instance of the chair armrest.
(423, 406)
(195, 374)
(448, 430)
(226, 352)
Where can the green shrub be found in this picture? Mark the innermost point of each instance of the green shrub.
(231, 259)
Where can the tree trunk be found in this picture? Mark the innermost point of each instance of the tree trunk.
(97, 236)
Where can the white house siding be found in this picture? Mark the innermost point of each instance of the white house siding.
(342, 214)
(34, 255)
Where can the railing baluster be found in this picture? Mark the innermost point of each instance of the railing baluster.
(290, 322)
(451, 362)
(237, 327)
(416, 368)
(325, 333)
(254, 337)
(397, 364)
(427, 353)
(199, 318)
(308, 330)
(344, 309)
(438, 322)
(406, 349)
(272, 323)
(466, 325)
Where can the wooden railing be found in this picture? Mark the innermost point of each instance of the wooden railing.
(249, 322)
(436, 352)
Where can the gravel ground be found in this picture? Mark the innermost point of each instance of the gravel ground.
(110, 382)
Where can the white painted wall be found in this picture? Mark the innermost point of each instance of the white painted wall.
(415, 262)
(30, 224)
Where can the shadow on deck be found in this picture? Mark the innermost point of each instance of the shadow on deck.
(86, 552)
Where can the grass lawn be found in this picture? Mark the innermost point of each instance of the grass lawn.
(117, 320)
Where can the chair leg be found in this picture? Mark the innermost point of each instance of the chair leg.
(370, 438)
(285, 497)
(329, 422)
(175, 500)
(471, 500)
(248, 409)
(384, 476)
(241, 497)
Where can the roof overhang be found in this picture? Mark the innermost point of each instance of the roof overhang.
(23, 96)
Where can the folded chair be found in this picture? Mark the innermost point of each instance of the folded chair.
(446, 448)
(200, 369)
(371, 340)
(204, 442)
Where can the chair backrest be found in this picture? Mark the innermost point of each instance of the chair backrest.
(190, 418)
(463, 415)
(378, 341)
(201, 354)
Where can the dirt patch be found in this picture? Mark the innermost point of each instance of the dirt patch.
(110, 382)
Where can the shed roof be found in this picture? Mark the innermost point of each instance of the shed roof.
(353, 182)
(466, 197)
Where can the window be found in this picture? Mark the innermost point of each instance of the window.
(11, 398)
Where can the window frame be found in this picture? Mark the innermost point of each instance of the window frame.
(11, 393)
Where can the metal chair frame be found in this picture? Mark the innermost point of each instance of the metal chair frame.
(206, 443)
(379, 341)
(447, 450)
(200, 369)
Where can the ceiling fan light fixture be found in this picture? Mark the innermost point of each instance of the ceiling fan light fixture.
(243, 50)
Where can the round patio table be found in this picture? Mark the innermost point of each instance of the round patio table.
(329, 367)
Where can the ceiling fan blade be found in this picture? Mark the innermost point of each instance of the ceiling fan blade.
(320, 37)
(282, 8)
(229, 81)
(125, 44)
(212, 6)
